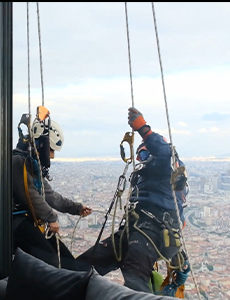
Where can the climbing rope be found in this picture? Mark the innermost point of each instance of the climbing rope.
(49, 235)
(132, 98)
(40, 52)
(42, 85)
(129, 53)
(171, 142)
(29, 96)
(73, 233)
(28, 64)
(117, 198)
(136, 216)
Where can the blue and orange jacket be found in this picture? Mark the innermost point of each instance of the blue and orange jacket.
(153, 183)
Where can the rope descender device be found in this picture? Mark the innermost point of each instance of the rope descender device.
(178, 178)
(129, 138)
(42, 113)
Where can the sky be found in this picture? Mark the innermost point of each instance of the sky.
(86, 73)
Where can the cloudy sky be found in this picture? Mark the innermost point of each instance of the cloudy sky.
(86, 72)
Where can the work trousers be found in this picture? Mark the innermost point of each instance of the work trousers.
(31, 240)
(139, 253)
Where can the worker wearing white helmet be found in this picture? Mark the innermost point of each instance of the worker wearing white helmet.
(34, 200)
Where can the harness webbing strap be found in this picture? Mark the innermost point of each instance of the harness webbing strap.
(29, 201)
(41, 225)
(136, 216)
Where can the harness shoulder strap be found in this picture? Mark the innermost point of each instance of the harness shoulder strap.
(29, 201)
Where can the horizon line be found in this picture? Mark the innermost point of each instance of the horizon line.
(110, 158)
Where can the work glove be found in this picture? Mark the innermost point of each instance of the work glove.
(180, 278)
(53, 227)
(135, 119)
(138, 123)
(85, 211)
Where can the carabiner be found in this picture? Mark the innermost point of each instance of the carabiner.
(129, 138)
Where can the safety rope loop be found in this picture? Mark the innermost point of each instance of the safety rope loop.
(58, 238)
(136, 216)
(40, 52)
(117, 198)
(48, 235)
(117, 195)
(73, 234)
(118, 256)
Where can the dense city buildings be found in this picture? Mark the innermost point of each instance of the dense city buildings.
(206, 235)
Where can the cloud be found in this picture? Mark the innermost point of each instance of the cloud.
(216, 116)
(175, 131)
(214, 129)
(209, 130)
(86, 72)
(182, 124)
(203, 130)
(96, 108)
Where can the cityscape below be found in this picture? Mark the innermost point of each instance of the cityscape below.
(206, 234)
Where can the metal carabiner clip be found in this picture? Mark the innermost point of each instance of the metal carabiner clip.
(129, 138)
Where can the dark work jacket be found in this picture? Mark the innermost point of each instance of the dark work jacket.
(44, 206)
(153, 181)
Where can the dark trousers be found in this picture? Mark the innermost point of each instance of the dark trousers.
(139, 255)
(30, 239)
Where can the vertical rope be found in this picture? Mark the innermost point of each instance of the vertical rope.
(75, 227)
(170, 136)
(130, 72)
(129, 53)
(28, 61)
(163, 85)
(29, 104)
(132, 98)
(40, 52)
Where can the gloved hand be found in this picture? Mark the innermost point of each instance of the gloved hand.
(180, 278)
(85, 211)
(54, 227)
(135, 119)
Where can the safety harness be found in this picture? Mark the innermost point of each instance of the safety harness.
(39, 169)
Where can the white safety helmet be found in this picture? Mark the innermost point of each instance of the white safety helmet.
(56, 136)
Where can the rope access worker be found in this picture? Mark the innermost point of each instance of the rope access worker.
(153, 223)
(34, 201)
